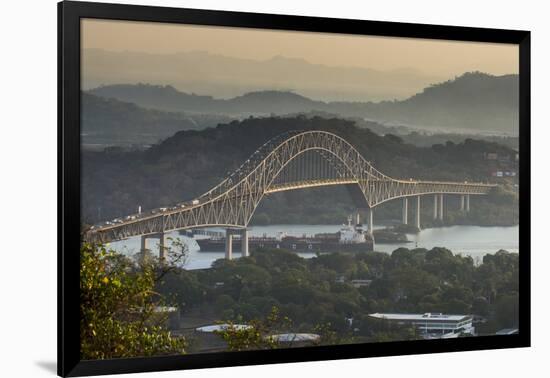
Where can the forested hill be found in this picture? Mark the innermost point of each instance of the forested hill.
(474, 101)
(191, 162)
(120, 122)
(111, 116)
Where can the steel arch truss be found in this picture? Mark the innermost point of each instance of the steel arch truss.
(232, 203)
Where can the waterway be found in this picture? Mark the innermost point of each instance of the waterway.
(474, 241)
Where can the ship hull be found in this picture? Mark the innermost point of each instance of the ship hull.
(295, 245)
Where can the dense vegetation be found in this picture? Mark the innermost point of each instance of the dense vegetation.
(118, 308)
(277, 291)
(184, 166)
(320, 292)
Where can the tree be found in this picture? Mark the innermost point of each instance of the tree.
(257, 334)
(119, 314)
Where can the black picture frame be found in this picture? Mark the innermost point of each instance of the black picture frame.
(69, 15)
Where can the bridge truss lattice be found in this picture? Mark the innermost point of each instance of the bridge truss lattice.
(290, 161)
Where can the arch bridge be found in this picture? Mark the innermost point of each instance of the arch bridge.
(290, 161)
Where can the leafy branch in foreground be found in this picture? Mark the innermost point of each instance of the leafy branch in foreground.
(119, 309)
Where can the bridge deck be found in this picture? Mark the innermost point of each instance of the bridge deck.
(232, 203)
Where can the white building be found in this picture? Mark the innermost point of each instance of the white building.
(432, 325)
(222, 327)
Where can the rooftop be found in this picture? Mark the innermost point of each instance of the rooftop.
(290, 337)
(165, 309)
(418, 317)
(221, 327)
(507, 331)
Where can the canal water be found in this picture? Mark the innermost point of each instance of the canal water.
(474, 241)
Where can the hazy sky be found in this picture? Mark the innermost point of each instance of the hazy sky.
(441, 58)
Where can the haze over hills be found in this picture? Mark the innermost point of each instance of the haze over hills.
(111, 121)
(474, 102)
(225, 77)
(167, 98)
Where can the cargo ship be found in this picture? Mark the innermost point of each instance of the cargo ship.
(350, 238)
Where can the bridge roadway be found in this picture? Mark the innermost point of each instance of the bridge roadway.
(291, 161)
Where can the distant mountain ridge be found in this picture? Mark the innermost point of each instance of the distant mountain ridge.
(168, 98)
(473, 101)
(226, 76)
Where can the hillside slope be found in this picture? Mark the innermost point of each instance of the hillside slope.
(113, 121)
(472, 102)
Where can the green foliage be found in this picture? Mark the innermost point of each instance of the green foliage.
(118, 308)
(257, 334)
(318, 293)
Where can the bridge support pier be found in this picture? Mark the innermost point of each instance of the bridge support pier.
(244, 243)
(143, 244)
(404, 217)
(435, 206)
(441, 207)
(162, 245)
(370, 224)
(162, 248)
(467, 203)
(417, 213)
(462, 197)
(228, 244)
(370, 218)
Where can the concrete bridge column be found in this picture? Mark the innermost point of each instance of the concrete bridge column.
(370, 226)
(462, 202)
(144, 248)
(228, 244)
(244, 243)
(143, 244)
(467, 203)
(405, 208)
(357, 217)
(370, 219)
(435, 206)
(417, 212)
(162, 245)
(162, 248)
(441, 207)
